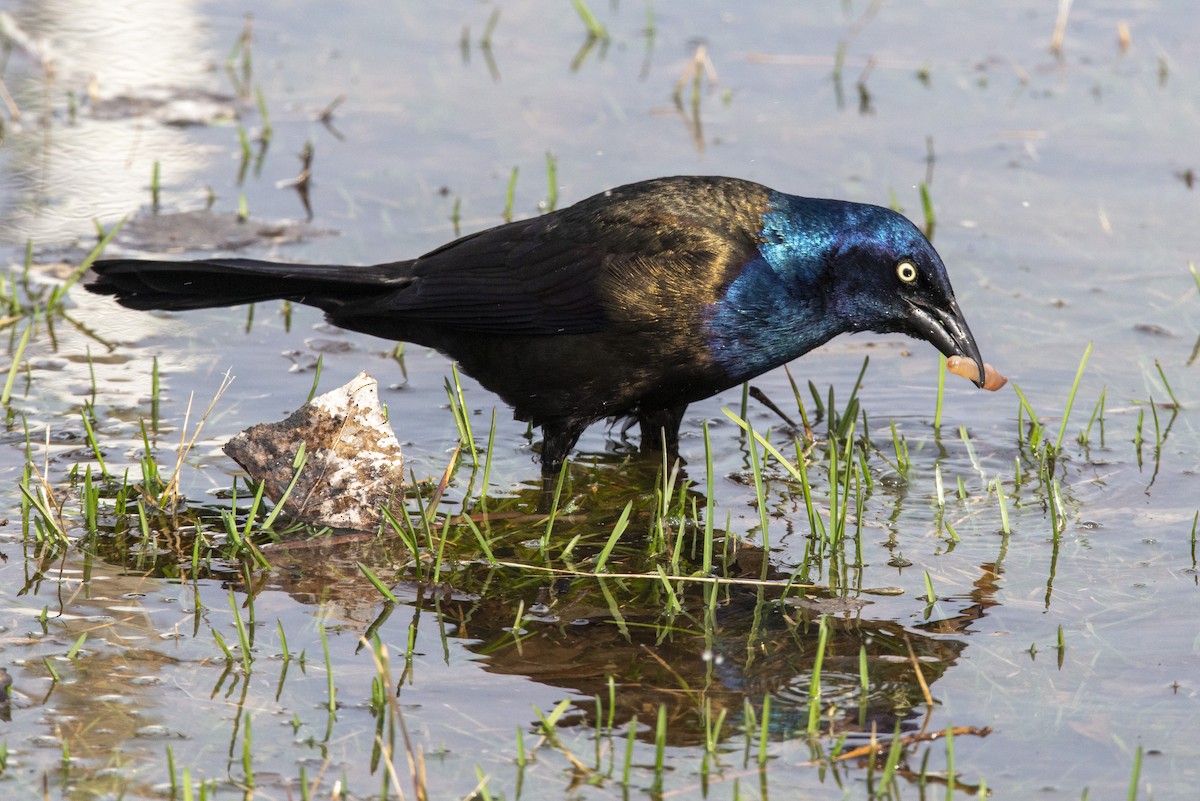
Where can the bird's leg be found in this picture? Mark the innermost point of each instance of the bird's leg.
(557, 441)
(661, 427)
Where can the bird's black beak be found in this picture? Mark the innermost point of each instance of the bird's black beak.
(945, 327)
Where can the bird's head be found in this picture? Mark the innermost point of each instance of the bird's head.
(885, 276)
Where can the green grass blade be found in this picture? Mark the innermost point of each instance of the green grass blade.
(376, 583)
(1071, 397)
(617, 531)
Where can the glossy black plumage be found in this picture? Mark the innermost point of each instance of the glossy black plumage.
(634, 302)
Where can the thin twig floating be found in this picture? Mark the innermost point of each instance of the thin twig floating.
(880, 746)
(693, 579)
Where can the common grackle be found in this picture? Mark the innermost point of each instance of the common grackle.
(632, 303)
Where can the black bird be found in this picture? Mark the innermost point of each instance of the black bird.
(632, 303)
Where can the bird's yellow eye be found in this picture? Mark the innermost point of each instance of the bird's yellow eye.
(907, 271)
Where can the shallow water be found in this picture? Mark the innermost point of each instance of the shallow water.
(1063, 212)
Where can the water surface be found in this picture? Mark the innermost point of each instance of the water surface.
(1063, 209)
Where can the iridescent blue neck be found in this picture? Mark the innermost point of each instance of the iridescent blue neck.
(777, 307)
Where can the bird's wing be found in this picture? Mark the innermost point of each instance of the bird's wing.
(522, 278)
(594, 266)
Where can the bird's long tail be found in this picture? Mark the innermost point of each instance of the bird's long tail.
(208, 283)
